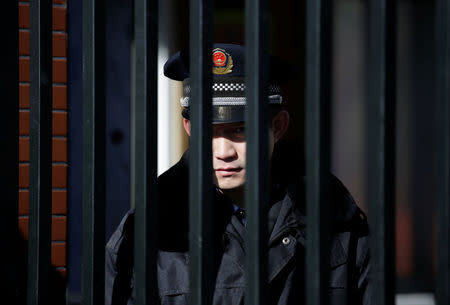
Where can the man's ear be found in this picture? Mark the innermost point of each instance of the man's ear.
(280, 124)
(187, 126)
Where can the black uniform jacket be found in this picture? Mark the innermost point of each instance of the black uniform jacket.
(349, 260)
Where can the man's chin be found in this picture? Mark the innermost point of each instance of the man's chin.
(229, 185)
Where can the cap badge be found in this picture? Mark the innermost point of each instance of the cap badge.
(222, 62)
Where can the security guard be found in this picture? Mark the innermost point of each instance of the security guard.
(349, 259)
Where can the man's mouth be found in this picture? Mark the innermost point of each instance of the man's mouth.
(227, 171)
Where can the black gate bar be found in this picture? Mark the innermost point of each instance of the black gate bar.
(94, 157)
(144, 150)
(9, 21)
(257, 190)
(9, 125)
(318, 95)
(382, 102)
(201, 279)
(39, 238)
(443, 151)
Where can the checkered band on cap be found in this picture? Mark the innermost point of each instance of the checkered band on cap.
(230, 91)
(228, 87)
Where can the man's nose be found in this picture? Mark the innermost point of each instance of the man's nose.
(223, 149)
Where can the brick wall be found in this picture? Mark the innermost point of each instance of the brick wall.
(59, 172)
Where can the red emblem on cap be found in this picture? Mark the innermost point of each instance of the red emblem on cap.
(222, 62)
(219, 58)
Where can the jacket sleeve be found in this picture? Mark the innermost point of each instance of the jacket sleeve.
(110, 275)
(119, 264)
(363, 264)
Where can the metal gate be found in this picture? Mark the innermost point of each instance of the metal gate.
(144, 117)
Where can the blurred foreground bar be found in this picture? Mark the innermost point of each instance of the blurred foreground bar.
(10, 124)
(39, 238)
(257, 195)
(443, 151)
(94, 156)
(382, 84)
(202, 277)
(144, 150)
(318, 95)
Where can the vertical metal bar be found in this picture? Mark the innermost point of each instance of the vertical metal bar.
(144, 150)
(257, 123)
(39, 238)
(318, 95)
(382, 148)
(443, 151)
(94, 127)
(10, 126)
(202, 279)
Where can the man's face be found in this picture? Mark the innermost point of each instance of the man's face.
(229, 148)
(228, 154)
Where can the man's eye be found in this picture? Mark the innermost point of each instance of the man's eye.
(239, 130)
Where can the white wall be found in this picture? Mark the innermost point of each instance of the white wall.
(170, 132)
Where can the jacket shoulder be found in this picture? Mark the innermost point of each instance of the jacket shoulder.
(123, 234)
(175, 176)
(348, 215)
(119, 262)
(173, 206)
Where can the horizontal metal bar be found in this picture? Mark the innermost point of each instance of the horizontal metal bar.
(257, 184)
(202, 278)
(39, 238)
(94, 156)
(443, 151)
(144, 150)
(318, 95)
(382, 148)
